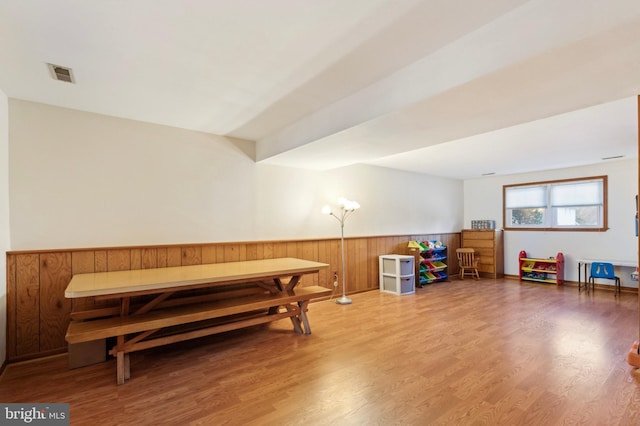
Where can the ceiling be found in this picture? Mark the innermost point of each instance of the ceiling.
(455, 89)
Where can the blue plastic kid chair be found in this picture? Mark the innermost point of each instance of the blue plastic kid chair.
(605, 271)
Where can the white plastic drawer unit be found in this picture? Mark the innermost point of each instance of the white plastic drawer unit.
(397, 274)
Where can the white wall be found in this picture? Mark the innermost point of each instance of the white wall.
(483, 200)
(393, 202)
(79, 179)
(4, 220)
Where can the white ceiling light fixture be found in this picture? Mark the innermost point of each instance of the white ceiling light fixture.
(61, 73)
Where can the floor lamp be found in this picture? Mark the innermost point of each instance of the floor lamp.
(346, 208)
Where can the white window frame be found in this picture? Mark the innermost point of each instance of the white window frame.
(540, 197)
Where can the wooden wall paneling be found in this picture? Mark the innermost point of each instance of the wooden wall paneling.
(55, 274)
(400, 246)
(234, 252)
(378, 247)
(174, 256)
(100, 257)
(308, 250)
(228, 253)
(191, 255)
(453, 243)
(260, 251)
(391, 244)
(294, 249)
(362, 281)
(351, 260)
(12, 339)
(355, 257)
(252, 251)
(101, 265)
(220, 253)
(27, 304)
(451, 259)
(336, 263)
(317, 278)
(148, 258)
(372, 250)
(336, 259)
(136, 258)
(291, 249)
(324, 256)
(83, 262)
(338, 255)
(162, 257)
(277, 249)
(209, 254)
(242, 248)
(280, 249)
(328, 253)
(119, 260)
(268, 248)
(382, 247)
(37, 312)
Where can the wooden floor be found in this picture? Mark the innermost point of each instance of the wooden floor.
(462, 352)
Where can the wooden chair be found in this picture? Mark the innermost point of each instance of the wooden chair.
(468, 262)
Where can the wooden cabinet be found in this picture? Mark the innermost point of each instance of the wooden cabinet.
(542, 270)
(488, 244)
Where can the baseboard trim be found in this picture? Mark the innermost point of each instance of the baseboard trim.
(604, 287)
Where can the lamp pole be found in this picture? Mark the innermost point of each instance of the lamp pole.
(346, 207)
(344, 300)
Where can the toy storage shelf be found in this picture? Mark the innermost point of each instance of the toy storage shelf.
(541, 270)
(432, 266)
(397, 274)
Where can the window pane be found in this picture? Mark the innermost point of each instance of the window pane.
(526, 196)
(531, 217)
(566, 217)
(578, 216)
(562, 205)
(577, 194)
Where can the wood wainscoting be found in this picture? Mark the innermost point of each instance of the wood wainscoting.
(38, 313)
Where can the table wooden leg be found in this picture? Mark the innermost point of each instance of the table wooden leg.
(293, 282)
(124, 306)
(579, 281)
(127, 366)
(278, 283)
(120, 368)
(122, 361)
(303, 316)
(295, 319)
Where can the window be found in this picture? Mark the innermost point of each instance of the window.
(567, 205)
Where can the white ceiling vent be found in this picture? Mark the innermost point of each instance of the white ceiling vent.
(61, 73)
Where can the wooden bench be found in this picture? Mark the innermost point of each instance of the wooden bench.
(167, 325)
